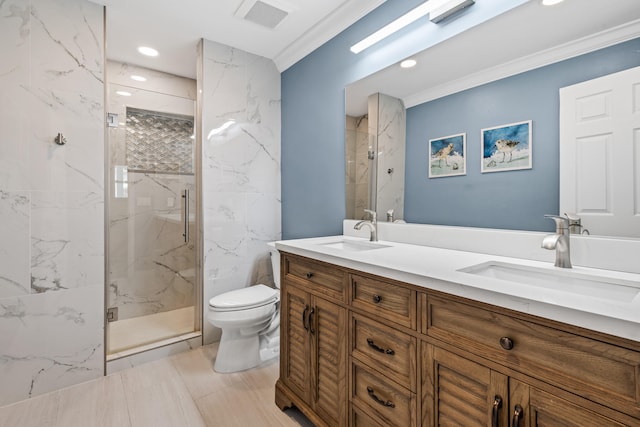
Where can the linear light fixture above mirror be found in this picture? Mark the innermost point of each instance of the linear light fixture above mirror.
(436, 9)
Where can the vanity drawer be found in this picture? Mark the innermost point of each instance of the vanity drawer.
(597, 370)
(325, 279)
(384, 299)
(390, 402)
(388, 350)
(361, 418)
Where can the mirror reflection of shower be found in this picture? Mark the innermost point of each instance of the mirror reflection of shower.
(374, 159)
(151, 295)
(360, 155)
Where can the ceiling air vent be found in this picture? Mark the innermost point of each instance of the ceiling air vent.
(262, 13)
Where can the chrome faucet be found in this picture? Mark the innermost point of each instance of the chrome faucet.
(371, 224)
(575, 224)
(559, 241)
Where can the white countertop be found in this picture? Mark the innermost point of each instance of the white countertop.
(437, 269)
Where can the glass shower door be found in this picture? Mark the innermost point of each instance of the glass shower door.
(151, 295)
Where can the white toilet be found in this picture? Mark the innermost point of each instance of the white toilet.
(250, 323)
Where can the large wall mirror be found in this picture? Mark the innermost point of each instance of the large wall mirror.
(508, 70)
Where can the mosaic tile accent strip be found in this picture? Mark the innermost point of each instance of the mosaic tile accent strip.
(159, 142)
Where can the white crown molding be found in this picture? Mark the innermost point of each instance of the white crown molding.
(559, 53)
(329, 27)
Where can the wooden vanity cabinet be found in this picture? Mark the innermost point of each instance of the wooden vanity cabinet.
(362, 350)
(313, 343)
(458, 391)
(545, 372)
(383, 347)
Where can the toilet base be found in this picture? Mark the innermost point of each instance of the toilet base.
(238, 352)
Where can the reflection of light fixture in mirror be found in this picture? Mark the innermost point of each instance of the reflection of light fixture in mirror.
(123, 93)
(439, 9)
(408, 63)
(139, 78)
(551, 2)
(148, 51)
(220, 129)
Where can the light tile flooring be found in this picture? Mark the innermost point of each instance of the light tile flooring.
(181, 390)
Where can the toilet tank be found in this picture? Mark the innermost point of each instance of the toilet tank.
(275, 263)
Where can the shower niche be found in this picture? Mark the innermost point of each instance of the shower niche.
(152, 293)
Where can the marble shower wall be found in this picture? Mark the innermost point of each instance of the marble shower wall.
(390, 131)
(240, 169)
(151, 268)
(51, 196)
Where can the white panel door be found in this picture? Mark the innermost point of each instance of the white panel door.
(600, 153)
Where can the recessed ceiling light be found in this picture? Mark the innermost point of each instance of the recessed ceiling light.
(408, 63)
(149, 51)
(123, 93)
(139, 78)
(551, 2)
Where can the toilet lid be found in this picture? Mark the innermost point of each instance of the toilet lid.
(245, 298)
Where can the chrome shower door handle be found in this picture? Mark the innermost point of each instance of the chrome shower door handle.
(185, 196)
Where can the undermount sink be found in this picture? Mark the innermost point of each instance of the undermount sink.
(353, 245)
(561, 280)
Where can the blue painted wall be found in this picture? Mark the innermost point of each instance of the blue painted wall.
(511, 199)
(313, 121)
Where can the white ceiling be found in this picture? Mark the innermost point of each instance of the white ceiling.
(174, 28)
(521, 39)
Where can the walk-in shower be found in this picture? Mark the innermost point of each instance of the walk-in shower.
(151, 296)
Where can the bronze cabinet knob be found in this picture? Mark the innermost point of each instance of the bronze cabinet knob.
(506, 343)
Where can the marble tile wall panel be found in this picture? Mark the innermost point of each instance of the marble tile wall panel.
(14, 257)
(240, 169)
(67, 240)
(67, 37)
(391, 155)
(49, 341)
(51, 197)
(66, 95)
(15, 46)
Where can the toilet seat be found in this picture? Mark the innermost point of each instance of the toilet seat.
(244, 299)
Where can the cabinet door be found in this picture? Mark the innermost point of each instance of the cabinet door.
(547, 410)
(458, 391)
(295, 366)
(328, 326)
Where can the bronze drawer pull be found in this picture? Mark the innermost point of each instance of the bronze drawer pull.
(377, 299)
(506, 343)
(517, 415)
(387, 403)
(309, 275)
(497, 404)
(311, 313)
(304, 317)
(381, 350)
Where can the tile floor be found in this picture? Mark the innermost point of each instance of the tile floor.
(181, 390)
